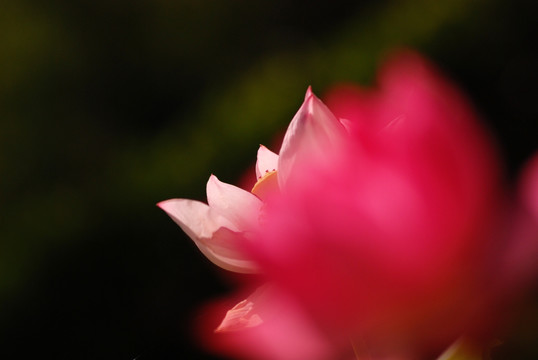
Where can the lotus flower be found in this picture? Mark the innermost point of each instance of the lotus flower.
(378, 228)
(219, 227)
(223, 227)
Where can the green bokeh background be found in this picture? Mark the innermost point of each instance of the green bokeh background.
(107, 107)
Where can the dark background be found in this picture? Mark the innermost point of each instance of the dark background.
(107, 107)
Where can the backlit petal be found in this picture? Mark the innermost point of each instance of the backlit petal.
(240, 206)
(267, 161)
(243, 315)
(312, 131)
(213, 234)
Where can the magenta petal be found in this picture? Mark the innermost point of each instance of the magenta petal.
(241, 207)
(312, 131)
(213, 234)
(267, 161)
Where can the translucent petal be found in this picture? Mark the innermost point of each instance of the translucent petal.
(267, 162)
(215, 236)
(312, 131)
(239, 206)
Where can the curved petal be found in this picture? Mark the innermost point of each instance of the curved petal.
(224, 249)
(267, 162)
(239, 206)
(312, 131)
(243, 315)
(212, 233)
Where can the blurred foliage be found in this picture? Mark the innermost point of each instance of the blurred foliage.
(107, 107)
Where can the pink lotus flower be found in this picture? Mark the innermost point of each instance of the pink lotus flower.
(233, 219)
(221, 227)
(380, 227)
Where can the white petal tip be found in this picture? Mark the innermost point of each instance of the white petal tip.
(165, 205)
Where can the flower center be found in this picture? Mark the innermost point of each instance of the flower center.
(266, 185)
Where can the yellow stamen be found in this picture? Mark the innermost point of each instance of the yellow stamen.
(266, 185)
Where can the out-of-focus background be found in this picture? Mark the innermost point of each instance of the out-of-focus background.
(107, 107)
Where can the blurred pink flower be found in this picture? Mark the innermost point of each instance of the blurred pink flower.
(393, 236)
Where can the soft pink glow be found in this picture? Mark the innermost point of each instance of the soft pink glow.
(388, 237)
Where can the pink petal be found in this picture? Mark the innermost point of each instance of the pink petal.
(267, 161)
(243, 315)
(312, 131)
(239, 206)
(213, 234)
(269, 325)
